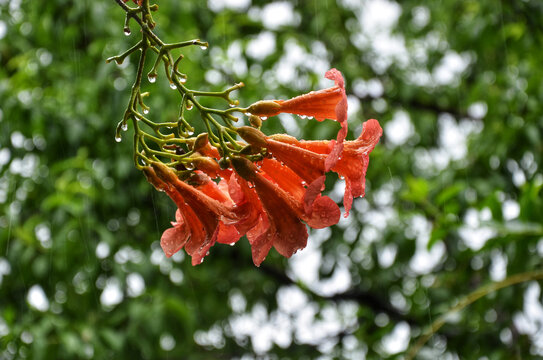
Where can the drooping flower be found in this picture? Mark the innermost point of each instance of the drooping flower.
(308, 159)
(273, 199)
(352, 163)
(283, 228)
(206, 214)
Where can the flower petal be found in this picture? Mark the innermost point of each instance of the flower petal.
(173, 239)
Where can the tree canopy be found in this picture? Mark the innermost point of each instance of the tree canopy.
(451, 219)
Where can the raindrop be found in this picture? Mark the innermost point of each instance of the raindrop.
(127, 31)
(118, 138)
(189, 166)
(303, 117)
(183, 80)
(264, 117)
(232, 105)
(190, 132)
(248, 114)
(201, 261)
(189, 105)
(232, 244)
(151, 78)
(146, 111)
(173, 86)
(124, 126)
(310, 117)
(203, 47)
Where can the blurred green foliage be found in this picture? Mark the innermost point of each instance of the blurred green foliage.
(454, 197)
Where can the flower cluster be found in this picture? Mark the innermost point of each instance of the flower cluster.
(268, 199)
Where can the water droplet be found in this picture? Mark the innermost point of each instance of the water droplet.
(303, 117)
(232, 105)
(189, 166)
(151, 78)
(203, 47)
(118, 138)
(264, 117)
(189, 105)
(248, 114)
(303, 182)
(183, 80)
(146, 111)
(310, 117)
(119, 61)
(124, 126)
(190, 132)
(127, 31)
(173, 86)
(207, 253)
(201, 261)
(232, 244)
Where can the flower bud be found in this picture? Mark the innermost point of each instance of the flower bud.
(284, 138)
(244, 168)
(164, 173)
(265, 108)
(200, 142)
(253, 136)
(207, 165)
(250, 150)
(255, 121)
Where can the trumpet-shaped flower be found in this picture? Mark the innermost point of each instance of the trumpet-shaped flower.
(283, 228)
(323, 104)
(272, 200)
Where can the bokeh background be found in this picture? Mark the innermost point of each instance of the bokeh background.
(454, 193)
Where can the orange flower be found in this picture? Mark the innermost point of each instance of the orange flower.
(310, 160)
(323, 104)
(206, 213)
(270, 200)
(282, 228)
(352, 163)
